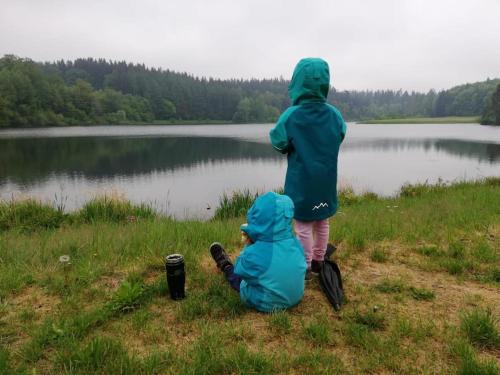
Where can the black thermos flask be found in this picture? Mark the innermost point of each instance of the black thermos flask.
(176, 277)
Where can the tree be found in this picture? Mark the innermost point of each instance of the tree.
(491, 115)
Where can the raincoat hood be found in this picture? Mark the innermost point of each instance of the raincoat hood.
(270, 218)
(310, 81)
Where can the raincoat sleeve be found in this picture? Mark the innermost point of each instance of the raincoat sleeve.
(278, 134)
(343, 127)
(250, 265)
(340, 121)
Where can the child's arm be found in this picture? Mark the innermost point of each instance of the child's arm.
(252, 263)
(343, 128)
(278, 135)
(340, 121)
(245, 238)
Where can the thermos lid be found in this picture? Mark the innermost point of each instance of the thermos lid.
(174, 259)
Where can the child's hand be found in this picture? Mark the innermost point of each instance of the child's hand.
(245, 239)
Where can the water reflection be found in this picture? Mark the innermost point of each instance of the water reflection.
(480, 151)
(26, 161)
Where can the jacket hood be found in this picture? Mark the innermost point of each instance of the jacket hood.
(270, 218)
(310, 81)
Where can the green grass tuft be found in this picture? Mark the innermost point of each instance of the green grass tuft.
(480, 326)
(422, 294)
(235, 205)
(29, 215)
(107, 356)
(348, 197)
(114, 210)
(374, 320)
(280, 321)
(5, 368)
(390, 286)
(211, 354)
(317, 331)
(469, 363)
(429, 251)
(128, 297)
(419, 189)
(379, 255)
(453, 266)
(359, 335)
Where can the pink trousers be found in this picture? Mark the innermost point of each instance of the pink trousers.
(313, 235)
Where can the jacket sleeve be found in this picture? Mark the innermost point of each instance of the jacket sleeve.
(343, 127)
(278, 134)
(252, 263)
(340, 121)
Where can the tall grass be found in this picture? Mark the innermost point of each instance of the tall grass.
(32, 215)
(469, 363)
(481, 327)
(107, 356)
(235, 205)
(114, 210)
(29, 215)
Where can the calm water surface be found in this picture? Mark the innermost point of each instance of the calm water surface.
(183, 170)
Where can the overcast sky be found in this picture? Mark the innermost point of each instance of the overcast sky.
(408, 44)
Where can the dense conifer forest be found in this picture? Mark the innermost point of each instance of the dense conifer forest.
(98, 91)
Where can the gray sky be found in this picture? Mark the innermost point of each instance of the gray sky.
(408, 44)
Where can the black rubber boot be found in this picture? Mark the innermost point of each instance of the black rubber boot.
(220, 256)
(308, 275)
(330, 249)
(316, 266)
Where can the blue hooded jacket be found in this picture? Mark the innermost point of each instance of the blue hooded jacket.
(310, 133)
(272, 268)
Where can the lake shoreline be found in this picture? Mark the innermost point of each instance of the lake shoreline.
(408, 120)
(424, 120)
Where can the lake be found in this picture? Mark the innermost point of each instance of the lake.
(183, 170)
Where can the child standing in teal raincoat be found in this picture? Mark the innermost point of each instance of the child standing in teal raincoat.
(269, 273)
(310, 133)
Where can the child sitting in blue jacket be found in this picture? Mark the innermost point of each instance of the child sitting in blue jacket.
(269, 273)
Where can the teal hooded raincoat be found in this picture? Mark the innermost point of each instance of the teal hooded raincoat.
(310, 133)
(272, 268)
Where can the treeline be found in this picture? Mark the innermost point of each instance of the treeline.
(491, 115)
(97, 91)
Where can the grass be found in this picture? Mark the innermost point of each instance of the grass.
(481, 328)
(372, 319)
(390, 286)
(29, 215)
(32, 215)
(114, 210)
(426, 120)
(379, 255)
(108, 356)
(107, 310)
(317, 331)
(235, 205)
(469, 363)
(422, 294)
(280, 321)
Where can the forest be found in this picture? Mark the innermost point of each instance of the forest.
(92, 91)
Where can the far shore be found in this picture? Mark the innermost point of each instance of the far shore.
(407, 120)
(425, 120)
